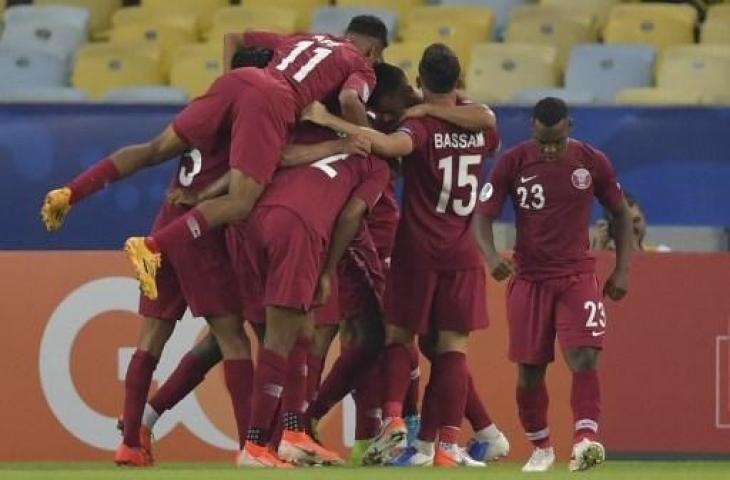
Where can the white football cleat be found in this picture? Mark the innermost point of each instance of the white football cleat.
(488, 451)
(586, 455)
(541, 460)
(455, 457)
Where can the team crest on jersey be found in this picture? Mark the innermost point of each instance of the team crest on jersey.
(486, 192)
(581, 178)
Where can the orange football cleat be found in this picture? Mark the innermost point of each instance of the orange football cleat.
(259, 456)
(55, 208)
(145, 263)
(145, 435)
(300, 449)
(132, 457)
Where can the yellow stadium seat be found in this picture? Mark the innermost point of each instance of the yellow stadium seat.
(715, 30)
(402, 7)
(657, 96)
(722, 99)
(708, 74)
(499, 70)
(203, 8)
(660, 25)
(719, 11)
(100, 10)
(698, 51)
(598, 8)
(194, 68)
(183, 19)
(166, 37)
(406, 55)
(556, 26)
(304, 9)
(240, 19)
(459, 27)
(102, 67)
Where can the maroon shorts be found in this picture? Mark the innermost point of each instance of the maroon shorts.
(281, 263)
(195, 274)
(570, 307)
(425, 300)
(362, 280)
(235, 244)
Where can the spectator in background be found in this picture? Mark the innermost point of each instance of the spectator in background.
(603, 238)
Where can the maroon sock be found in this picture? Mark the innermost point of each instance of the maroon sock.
(367, 403)
(396, 371)
(450, 377)
(189, 373)
(268, 387)
(430, 420)
(585, 400)
(475, 411)
(93, 179)
(187, 227)
(532, 405)
(136, 386)
(239, 381)
(410, 404)
(295, 386)
(314, 376)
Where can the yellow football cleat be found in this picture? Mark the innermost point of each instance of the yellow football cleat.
(145, 263)
(55, 208)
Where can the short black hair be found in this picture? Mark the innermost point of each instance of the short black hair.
(439, 68)
(369, 25)
(257, 57)
(390, 79)
(550, 110)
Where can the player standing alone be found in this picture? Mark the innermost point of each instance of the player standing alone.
(552, 180)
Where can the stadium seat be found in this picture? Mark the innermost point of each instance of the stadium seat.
(100, 68)
(606, 69)
(660, 25)
(203, 8)
(657, 96)
(401, 7)
(708, 74)
(693, 50)
(598, 8)
(303, 8)
(183, 19)
(715, 30)
(42, 95)
(75, 17)
(501, 9)
(531, 96)
(405, 55)
(334, 20)
(100, 12)
(59, 39)
(718, 99)
(498, 71)
(152, 95)
(155, 32)
(240, 19)
(719, 11)
(194, 68)
(21, 68)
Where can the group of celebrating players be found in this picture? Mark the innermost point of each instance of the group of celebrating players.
(283, 213)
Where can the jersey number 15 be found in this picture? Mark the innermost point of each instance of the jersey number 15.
(463, 179)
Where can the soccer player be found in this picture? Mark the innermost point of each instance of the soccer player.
(258, 109)
(551, 181)
(437, 281)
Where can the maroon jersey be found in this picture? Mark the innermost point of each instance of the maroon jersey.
(316, 66)
(441, 182)
(383, 220)
(553, 203)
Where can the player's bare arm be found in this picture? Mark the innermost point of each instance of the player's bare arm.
(473, 117)
(617, 284)
(120, 164)
(183, 196)
(295, 155)
(500, 267)
(352, 108)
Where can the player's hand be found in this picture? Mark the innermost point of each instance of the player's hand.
(617, 285)
(417, 111)
(500, 267)
(182, 197)
(324, 289)
(357, 145)
(55, 208)
(315, 112)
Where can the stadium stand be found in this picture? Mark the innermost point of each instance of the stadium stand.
(501, 9)
(405, 55)
(76, 17)
(43, 32)
(146, 95)
(23, 68)
(716, 30)
(402, 7)
(195, 67)
(657, 96)
(599, 9)
(531, 96)
(239, 19)
(204, 9)
(605, 69)
(334, 20)
(154, 32)
(303, 8)
(100, 12)
(180, 19)
(42, 95)
(660, 25)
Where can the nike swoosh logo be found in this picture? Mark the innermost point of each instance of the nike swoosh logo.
(527, 179)
(598, 334)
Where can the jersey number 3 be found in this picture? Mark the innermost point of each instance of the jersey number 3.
(464, 179)
(320, 54)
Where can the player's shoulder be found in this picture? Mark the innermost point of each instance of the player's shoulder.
(589, 153)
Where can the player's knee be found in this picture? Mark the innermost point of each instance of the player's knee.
(154, 336)
(208, 351)
(582, 359)
(323, 339)
(396, 334)
(531, 376)
(452, 341)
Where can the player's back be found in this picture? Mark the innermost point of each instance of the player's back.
(441, 181)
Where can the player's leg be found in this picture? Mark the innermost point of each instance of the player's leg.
(489, 443)
(410, 404)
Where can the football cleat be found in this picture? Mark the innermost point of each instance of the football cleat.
(488, 451)
(299, 448)
(259, 456)
(586, 455)
(453, 457)
(55, 208)
(413, 425)
(411, 457)
(145, 263)
(388, 443)
(357, 452)
(541, 460)
(145, 436)
(132, 457)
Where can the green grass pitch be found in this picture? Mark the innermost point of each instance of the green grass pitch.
(182, 471)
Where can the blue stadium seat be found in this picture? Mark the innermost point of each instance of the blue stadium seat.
(61, 40)
(43, 95)
(147, 95)
(334, 20)
(501, 9)
(76, 17)
(606, 69)
(22, 68)
(531, 96)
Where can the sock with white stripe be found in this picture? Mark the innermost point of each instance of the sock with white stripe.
(585, 400)
(532, 405)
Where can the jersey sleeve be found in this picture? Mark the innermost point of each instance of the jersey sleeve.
(495, 190)
(373, 185)
(260, 38)
(417, 131)
(200, 120)
(607, 188)
(361, 79)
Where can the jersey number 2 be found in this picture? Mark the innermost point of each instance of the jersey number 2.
(464, 179)
(319, 55)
